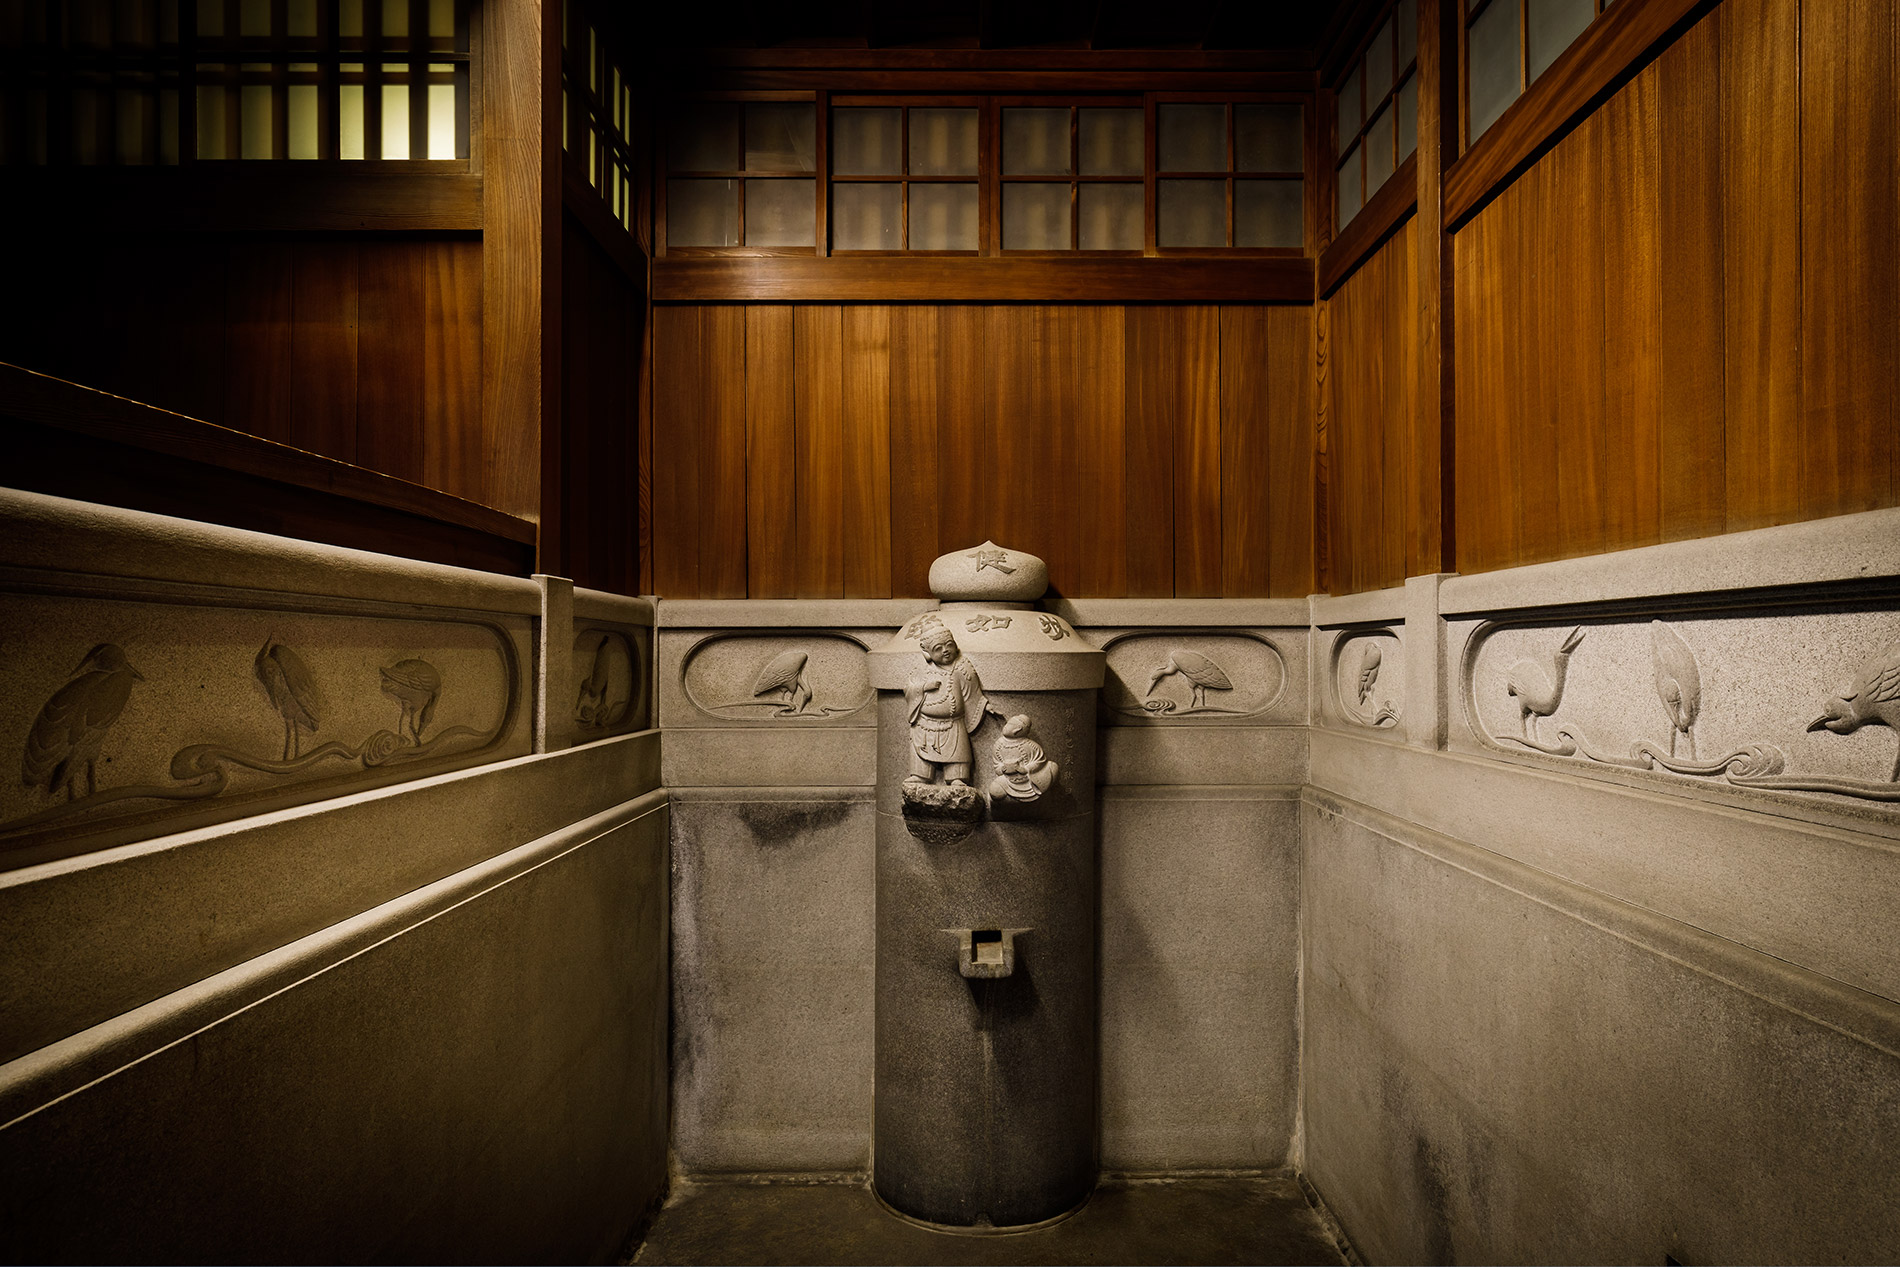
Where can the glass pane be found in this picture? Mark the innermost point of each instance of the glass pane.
(867, 142)
(395, 121)
(781, 137)
(866, 217)
(1351, 195)
(942, 217)
(780, 213)
(254, 121)
(129, 126)
(942, 143)
(702, 213)
(349, 120)
(1492, 49)
(1035, 217)
(1035, 142)
(1408, 118)
(254, 17)
(301, 16)
(1352, 108)
(1110, 141)
(396, 19)
(1191, 213)
(1379, 163)
(1379, 65)
(349, 18)
(1408, 32)
(441, 120)
(1270, 138)
(303, 121)
(1270, 213)
(211, 16)
(1191, 138)
(1552, 25)
(705, 139)
(211, 118)
(1111, 217)
(441, 19)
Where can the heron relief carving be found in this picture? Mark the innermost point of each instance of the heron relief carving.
(65, 740)
(1202, 675)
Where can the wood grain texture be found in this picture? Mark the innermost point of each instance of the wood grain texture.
(1097, 399)
(324, 350)
(1197, 526)
(454, 458)
(1572, 311)
(679, 360)
(1486, 476)
(1246, 457)
(770, 476)
(722, 454)
(963, 500)
(260, 314)
(1151, 399)
(867, 451)
(1291, 428)
(391, 324)
(914, 376)
(941, 279)
(818, 387)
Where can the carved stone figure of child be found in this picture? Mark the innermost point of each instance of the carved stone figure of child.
(946, 704)
(1023, 772)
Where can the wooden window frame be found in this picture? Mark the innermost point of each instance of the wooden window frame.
(1470, 14)
(982, 178)
(598, 106)
(820, 102)
(1233, 176)
(1074, 103)
(1403, 73)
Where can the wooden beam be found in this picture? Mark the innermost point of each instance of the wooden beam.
(263, 197)
(1378, 220)
(997, 279)
(1431, 521)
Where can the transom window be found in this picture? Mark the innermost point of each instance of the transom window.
(1508, 44)
(1376, 111)
(904, 176)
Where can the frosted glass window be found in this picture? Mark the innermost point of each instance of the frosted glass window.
(1550, 27)
(349, 120)
(1379, 64)
(1035, 142)
(780, 213)
(1270, 213)
(1408, 118)
(395, 121)
(1351, 194)
(1191, 138)
(349, 18)
(1270, 138)
(1110, 217)
(1352, 108)
(441, 19)
(303, 121)
(441, 120)
(129, 127)
(211, 15)
(942, 216)
(867, 142)
(396, 18)
(705, 139)
(254, 121)
(1407, 33)
(211, 135)
(1035, 217)
(1492, 50)
(254, 17)
(781, 137)
(702, 213)
(866, 217)
(943, 142)
(1379, 162)
(1110, 141)
(301, 17)
(1191, 213)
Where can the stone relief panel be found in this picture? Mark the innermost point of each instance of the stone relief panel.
(1200, 676)
(126, 715)
(1802, 701)
(786, 677)
(611, 677)
(1369, 677)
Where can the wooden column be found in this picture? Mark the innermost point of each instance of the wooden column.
(1432, 522)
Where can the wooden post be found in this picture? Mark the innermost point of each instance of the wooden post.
(1433, 525)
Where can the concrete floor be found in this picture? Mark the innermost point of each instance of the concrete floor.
(1189, 1220)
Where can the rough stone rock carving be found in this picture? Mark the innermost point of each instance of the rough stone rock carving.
(1538, 688)
(1203, 675)
(291, 689)
(1873, 696)
(785, 675)
(71, 728)
(945, 704)
(1023, 771)
(1678, 686)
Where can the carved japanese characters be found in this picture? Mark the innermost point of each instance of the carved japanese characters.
(1873, 696)
(945, 704)
(1023, 771)
(65, 740)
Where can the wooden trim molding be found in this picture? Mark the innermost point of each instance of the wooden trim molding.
(1378, 220)
(937, 81)
(205, 198)
(966, 279)
(1611, 50)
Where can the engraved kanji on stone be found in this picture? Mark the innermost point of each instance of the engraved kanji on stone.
(1053, 627)
(978, 624)
(998, 559)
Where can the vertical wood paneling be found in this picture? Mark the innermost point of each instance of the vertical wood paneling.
(1400, 419)
(1690, 220)
(1246, 459)
(391, 324)
(964, 502)
(1573, 299)
(1485, 480)
(867, 451)
(1627, 136)
(1761, 238)
(323, 357)
(1541, 323)
(1151, 398)
(1290, 451)
(771, 480)
(678, 361)
(722, 454)
(1850, 308)
(1197, 526)
(914, 377)
(453, 456)
(817, 351)
(259, 315)
(1097, 389)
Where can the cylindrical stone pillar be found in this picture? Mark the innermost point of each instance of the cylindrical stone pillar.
(986, 1033)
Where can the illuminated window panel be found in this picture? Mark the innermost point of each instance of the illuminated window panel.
(1375, 111)
(1230, 176)
(891, 169)
(1508, 44)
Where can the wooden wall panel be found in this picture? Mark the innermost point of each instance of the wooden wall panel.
(1117, 443)
(391, 323)
(1679, 321)
(259, 323)
(323, 352)
(601, 318)
(455, 458)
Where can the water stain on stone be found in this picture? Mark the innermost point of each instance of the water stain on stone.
(776, 824)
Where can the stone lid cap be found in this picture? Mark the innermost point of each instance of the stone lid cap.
(989, 574)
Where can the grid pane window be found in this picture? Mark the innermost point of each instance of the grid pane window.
(1375, 116)
(1230, 176)
(597, 126)
(1508, 44)
(1099, 152)
(765, 195)
(902, 178)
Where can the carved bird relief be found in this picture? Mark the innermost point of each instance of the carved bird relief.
(65, 740)
(1678, 685)
(292, 691)
(1539, 689)
(1369, 664)
(786, 675)
(1202, 672)
(414, 684)
(1872, 697)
